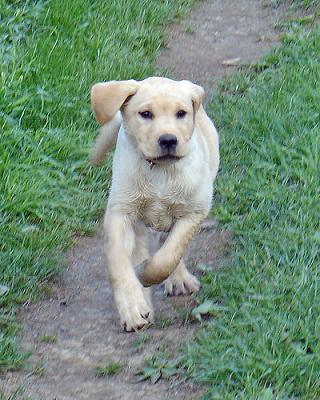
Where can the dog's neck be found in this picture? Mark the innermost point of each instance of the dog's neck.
(151, 163)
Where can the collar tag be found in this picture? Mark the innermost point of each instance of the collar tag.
(151, 163)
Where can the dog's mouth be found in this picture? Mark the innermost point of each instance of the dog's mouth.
(162, 159)
(166, 157)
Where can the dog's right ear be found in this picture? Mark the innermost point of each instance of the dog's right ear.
(197, 93)
(108, 97)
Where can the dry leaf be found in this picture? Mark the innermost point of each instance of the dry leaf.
(231, 62)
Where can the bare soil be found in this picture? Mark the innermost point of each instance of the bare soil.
(78, 310)
(217, 37)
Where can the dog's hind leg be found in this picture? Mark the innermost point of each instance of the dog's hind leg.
(181, 281)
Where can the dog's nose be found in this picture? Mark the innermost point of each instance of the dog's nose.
(168, 142)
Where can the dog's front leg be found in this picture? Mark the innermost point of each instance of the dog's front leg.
(129, 296)
(167, 258)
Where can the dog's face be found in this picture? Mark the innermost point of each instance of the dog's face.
(159, 119)
(158, 114)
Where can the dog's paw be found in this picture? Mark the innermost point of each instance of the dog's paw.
(181, 282)
(135, 311)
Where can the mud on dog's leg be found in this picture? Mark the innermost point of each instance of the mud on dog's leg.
(134, 310)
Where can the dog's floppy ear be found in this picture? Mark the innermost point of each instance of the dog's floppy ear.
(108, 97)
(197, 93)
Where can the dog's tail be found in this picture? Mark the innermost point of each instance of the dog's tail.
(106, 139)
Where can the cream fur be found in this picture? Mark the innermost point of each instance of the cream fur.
(172, 196)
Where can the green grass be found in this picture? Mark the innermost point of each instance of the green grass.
(163, 322)
(50, 55)
(157, 367)
(306, 3)
(299, 4)
(48, 339)
(266, 342)
(141, 339)
(14, 396)
(113, 368)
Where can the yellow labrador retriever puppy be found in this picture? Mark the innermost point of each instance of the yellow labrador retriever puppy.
(164, 166)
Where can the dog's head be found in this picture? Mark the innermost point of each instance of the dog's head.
(158, 113)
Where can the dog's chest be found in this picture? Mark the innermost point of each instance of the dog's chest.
(158, 215)
(161, 205)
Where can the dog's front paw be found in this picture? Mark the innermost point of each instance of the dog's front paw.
(135, 312)
(181, 282)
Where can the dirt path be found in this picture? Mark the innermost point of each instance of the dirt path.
(217, 34)
(78, 312)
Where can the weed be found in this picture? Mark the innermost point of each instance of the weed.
(48, 339)
(13, 396)
(141, 339)
(113, 368)
(38, 370)
(189, 29)
(157, 367)
(183, 314)
(163, 322)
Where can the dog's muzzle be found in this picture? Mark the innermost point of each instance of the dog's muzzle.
(168, 144)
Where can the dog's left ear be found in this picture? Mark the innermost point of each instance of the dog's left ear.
(197, 93)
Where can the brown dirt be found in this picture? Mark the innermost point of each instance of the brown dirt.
(80, 314)
(219, 32)
(79, 310)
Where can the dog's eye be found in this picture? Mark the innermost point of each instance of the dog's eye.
(146, 114)
(181, 114)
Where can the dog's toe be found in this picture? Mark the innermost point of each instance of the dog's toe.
(137, 324)
(135, 312)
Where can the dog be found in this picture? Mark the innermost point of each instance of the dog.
(164, 166)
